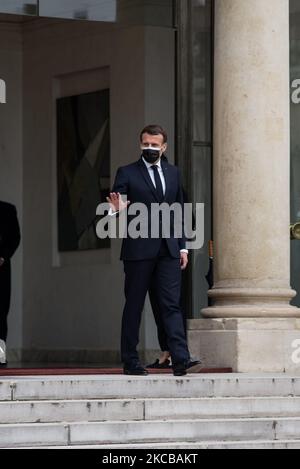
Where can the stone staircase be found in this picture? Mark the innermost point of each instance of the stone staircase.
(153, 412)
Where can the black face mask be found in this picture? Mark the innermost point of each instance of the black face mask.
(151, 155)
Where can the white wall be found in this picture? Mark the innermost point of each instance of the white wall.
(78, 305)
(11, 165)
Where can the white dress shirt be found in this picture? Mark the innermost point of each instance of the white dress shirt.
(163, 181)
(160, 172)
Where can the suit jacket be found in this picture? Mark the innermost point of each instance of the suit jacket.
(9, 242)
(134, 181)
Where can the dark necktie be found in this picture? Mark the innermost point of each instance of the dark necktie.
(158, 183)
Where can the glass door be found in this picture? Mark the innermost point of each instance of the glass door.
(194, 130)
(67, 72)
(295, 141)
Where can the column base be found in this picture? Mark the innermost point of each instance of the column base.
(252, 311)
(247, 345)
(251, 303)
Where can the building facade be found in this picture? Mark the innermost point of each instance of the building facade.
(221, 77)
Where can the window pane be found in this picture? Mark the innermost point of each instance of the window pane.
(202, 64)
(154, 12)
(19, 7)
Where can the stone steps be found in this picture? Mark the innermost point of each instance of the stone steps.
(252, 444)
(204, 430)
(147, 409)
(153, 412)
(121, 387)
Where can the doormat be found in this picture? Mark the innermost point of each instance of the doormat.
(90, 371)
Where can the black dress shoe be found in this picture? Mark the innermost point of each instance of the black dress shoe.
(181, 369)
(135, 370)
(160, 366)
(194, 366)
(3, 365)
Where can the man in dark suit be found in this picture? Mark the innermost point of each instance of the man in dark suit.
(163, 362)
(9, 242)
(156, 261)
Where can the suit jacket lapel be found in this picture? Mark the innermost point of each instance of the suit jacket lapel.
(147, 178)
(145, 173)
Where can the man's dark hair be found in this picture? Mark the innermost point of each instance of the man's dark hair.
(154, 130)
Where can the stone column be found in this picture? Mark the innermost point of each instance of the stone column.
(251, 191)
(251, 160)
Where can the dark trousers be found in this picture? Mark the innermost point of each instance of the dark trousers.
(161, 333)
(164, 274)
(5, 292)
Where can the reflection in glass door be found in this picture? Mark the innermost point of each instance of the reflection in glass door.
(128, 12)
(19, 7)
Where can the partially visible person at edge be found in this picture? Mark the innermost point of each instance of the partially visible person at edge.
(9, 242)
(152, 262)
